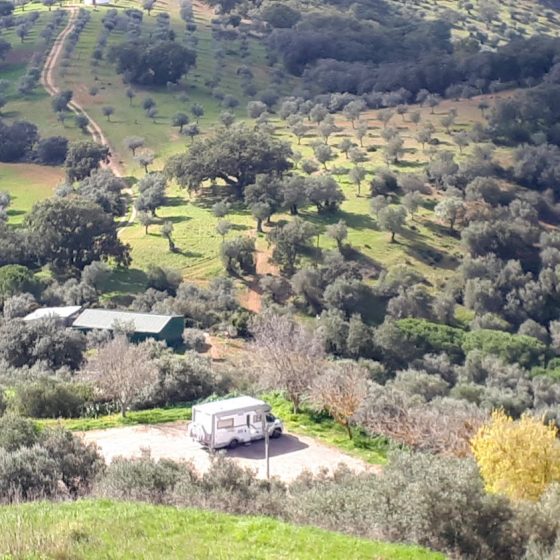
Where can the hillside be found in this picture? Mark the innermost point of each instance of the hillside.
(103, 529)
(238, 69)
(347, 208)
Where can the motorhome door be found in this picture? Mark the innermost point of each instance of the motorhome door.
(254, 424)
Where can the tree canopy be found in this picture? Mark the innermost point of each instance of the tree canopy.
(236, 158)
(70, 233)
(150, 63)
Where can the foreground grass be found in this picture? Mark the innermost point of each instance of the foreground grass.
(104, 529)
(308, 423)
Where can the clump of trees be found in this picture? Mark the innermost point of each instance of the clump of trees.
(152, 63)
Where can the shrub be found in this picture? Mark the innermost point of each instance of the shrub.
(431, 337)
(142, 479)
(15, 279)
(194, 339)
(78, 462)
(163, 279)
(183, 379)
(16, 432)
(47, 398)
(513, 348)
(441, 503)
(28, 473)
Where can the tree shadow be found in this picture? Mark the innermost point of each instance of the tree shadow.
(126, 280)
(13, 213)
(370, 268)
(176, 219)
(188, 254)
(240, 227)
(353, 220)
(405, 164)
(174, 201)
(441, 230)
(425, 253)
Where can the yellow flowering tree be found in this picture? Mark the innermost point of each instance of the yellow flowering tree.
(518, 458)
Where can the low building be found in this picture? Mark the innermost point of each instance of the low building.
(168, 328)
(64, 315)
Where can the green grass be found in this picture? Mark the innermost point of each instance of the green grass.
(101, 529)
(325, 429)
(194, 234)
(306, 422)
(27, 183)
(133, 418)
(35, 107)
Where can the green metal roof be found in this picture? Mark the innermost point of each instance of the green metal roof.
(106, 319)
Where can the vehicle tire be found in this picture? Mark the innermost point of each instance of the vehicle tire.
(233, 443)
(276, 433)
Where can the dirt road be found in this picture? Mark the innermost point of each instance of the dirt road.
(289, 455)
(49, 83)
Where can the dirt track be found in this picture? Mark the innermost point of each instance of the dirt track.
(49, 83)
(289, 455)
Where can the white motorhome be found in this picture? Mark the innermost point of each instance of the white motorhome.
(230, 422)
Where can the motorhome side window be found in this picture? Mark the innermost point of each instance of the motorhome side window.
(225, 423)
(257, 418)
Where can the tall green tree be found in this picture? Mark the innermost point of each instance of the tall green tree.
(83, 158)
(70, 233)
(236, 158)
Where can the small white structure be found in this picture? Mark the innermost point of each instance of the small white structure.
(63, 314)
(229, 422)
(96, 2)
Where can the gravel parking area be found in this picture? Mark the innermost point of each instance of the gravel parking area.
(289, 455)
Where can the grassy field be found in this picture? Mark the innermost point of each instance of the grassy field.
(27, 184)
(104, 529)
(307, 423)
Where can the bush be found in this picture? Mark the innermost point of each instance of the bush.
(441, 503)
(224, 486)
(51, 399)
(163, 279)
(513, 348)
(52, 150)
(183, 379)
(78, 462)
(194, 339)
(27, 343)
(26, 474)
(16, 279)
(16, 432)
(431, 337)
(142, 479)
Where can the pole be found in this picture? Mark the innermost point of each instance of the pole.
(266, 443)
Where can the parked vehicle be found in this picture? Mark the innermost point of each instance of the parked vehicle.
(230, 422)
